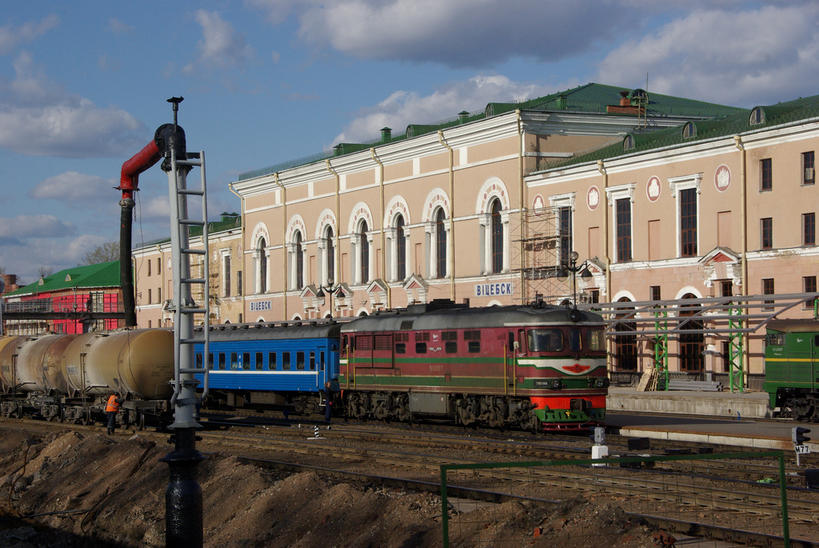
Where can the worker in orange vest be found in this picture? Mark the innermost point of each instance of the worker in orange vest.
(111, 410)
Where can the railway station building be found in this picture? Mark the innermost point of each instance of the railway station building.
(661, 198)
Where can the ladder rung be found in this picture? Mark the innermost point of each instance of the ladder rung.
(191, 310)
(191, 222)
(192, 280)
(195, 162)
(191, 191)
(192, 370)
(193, 251)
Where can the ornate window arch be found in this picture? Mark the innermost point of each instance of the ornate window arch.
(361, 240)
(295, 252)
(260, 241)
(397, 236)
(326, 232)
(438, 253)
(492, 207)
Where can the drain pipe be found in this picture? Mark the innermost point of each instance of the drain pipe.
(601, 167)
(451, 242)
(244, 245)
(383, 228)
(336, 266)
(744, 214)
(284, 242)
(524, 289)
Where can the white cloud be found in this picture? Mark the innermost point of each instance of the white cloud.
(53, 252)
(38, 117)
(119, 27)
(33, 226)
(403, 107)
(11, 37)
(755, 56)
(458, 32)
(221, 45)
(74, 186)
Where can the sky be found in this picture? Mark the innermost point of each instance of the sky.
(83, 86)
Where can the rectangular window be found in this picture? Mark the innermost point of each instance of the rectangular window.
(400, 348)
(246, 361)
(159, 295)
(286, 361)
(271, 361)
(149, 267)
(259, 361)
(655, 292)
(300, 361)
(238, 282)
(422, 337)
(234, 360)
(226, 275)
(420, 348)
(688, 222)
(623, 207)
(768, 289)
(765, 174)
(149, 296)
(198, 360)
(312, 361)
(565, 233)
(321, 360)
(158, 265)
(726, 288)
(809, 286)
(221, 360)
(766, 233)
(808, 173)
(474, 347)
(210, 360)
(451, 347)
(594, 295)
(809, 229)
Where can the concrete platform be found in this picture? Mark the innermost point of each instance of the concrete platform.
(712, 404)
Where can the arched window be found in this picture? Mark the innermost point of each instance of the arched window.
(692, 358)
(298, 256)
(329, 245)
(364, 257)
(261, 269)
(497, 236)
(400, 249)
(440, 243)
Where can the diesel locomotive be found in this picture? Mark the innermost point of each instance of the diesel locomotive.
(528, 367)
(792, 368)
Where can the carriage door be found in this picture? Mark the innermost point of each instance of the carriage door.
(383, 351)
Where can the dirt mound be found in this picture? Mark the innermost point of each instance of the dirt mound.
(112, 491)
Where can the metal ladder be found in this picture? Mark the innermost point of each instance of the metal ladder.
(185, 308)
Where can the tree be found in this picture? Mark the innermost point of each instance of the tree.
(109, 251)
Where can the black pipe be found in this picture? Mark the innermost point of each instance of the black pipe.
(126, 271)
(183, 497)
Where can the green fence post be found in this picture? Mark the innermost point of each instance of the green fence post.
(783, 491)
(444, 507)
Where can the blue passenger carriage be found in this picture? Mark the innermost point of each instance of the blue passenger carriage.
(271, 366)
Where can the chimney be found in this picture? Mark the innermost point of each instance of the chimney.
(386, 134)
(338, 150)
(624, 100)
(462, 116)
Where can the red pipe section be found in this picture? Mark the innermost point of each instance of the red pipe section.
(139, 162)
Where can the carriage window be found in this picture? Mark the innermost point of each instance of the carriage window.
(234, 360)
(259, 361)
(321, 360)
(286, 361)
(246, 360)
(300, 361)
(420, 348)
(210, 360)
(271, 361)
(198, 358)
(400, 348)
(312, 361)
(451, 347)
(596, 340)
(221, 360)
(574, 340)
(545, 340)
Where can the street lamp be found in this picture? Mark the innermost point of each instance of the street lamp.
(574, 270)
(328, 289)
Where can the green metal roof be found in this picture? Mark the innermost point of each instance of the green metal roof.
(94, 275)
(588, 98)
(780, 113)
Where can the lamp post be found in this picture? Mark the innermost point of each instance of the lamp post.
(574, 270)
(328, 289)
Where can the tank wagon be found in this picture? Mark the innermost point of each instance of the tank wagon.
(530, 367)
(69, 377)
(792, 368)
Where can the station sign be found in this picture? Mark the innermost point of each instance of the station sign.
(494, 289)
(258, 306)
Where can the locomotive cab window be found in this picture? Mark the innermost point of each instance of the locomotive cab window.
(574, 340)
(596, 341)
(545, 340)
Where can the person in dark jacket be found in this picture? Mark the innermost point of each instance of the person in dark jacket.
(111, 410)
(328, 401)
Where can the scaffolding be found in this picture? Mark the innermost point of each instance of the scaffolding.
(543, 255)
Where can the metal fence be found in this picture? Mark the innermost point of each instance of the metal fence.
(689, 492)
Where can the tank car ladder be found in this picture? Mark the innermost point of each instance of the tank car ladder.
(185, 307)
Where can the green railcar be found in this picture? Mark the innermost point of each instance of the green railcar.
(792, 368)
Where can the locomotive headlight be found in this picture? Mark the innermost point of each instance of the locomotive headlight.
(556, 384)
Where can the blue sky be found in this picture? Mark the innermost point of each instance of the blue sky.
(83, 85)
